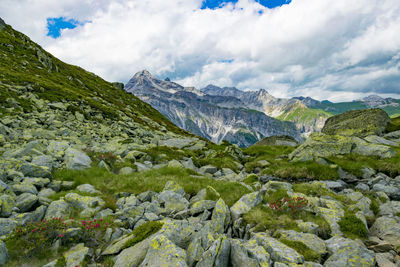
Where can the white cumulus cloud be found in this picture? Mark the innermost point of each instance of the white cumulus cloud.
(330, 49)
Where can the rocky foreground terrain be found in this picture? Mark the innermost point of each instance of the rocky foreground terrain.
(92, 176)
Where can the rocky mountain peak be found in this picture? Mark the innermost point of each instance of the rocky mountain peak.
(372, 98)
(143, 73)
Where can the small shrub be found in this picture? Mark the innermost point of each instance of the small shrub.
(353, 227)
(292, 205)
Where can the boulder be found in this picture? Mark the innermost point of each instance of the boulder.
(239, 255)
(380, 140)
(220, 217)
(58, 208)
(245, 204)
(278, 251)
(83, 202)
(7, 226)
(3, 254)
(312, 241)
(162, 252)
(126, 171)
(217, 254)
(172, 201)
(320, 145)
(7, 203)
(346, 252)
(357, 123)
(133, 256)
(25, 201)
(76, 160)
(388, 229)
(32, 170)
(30, 217)
(87, 188)
(76, 255)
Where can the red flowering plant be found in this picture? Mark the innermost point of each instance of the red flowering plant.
(34, 239)
(292, 205)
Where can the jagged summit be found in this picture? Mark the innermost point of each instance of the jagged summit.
(143, 73)
(2, 23)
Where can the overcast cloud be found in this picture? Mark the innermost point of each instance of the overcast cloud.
(327, 49)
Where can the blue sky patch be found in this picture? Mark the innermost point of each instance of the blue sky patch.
(55, 25)
(212, 4)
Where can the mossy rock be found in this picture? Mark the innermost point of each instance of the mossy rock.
(357, 123)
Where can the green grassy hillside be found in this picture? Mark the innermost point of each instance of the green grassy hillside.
(26, 68)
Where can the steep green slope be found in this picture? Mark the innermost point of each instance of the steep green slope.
(26, 69)
(303, 114)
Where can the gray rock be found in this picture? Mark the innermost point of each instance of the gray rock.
(87, 188)
(380, 140)
(387, 229)
(76, 160)
(245, 204)
(389, 208)
(201, 206)
(32, 170)
(385, 260)
(7, 226)
(24, 187)
(312, 241)
(7, 203)
(172, 201)
(368, 172)
(346, 252)
(335, 185)
(217, 254)
(30, 217)
(141, 167)
(25, 201)
(58, 208)
(177, 142)
(391, 191)
(44, 161)
(162, 252)
(278, 251)
(3, 254)
(208, 169)
(46, 192)
(363, 187)
(221, 217)
(133, 256)
(76, 255)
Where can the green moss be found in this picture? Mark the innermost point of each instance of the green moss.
(143, 232)
(300, 247)
(353, 227)
(316, 190)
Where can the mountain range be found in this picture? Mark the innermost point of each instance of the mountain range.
(242, 117)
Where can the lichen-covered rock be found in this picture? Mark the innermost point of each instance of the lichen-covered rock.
(162, 252)
(180, 232)
(177, 142)
(25, 201)
(133, 256)
(24, 187)
(7, 226)
(172, 201)
(220, 216)
(357, 123)
(346, 252)
(7, 203)
(273, 186)
(201, 206)
(387, 229)
(380, 140)
(208, 169)
(83, 202)
(217, 254)
(278, 251)
(245, 204)
(76, 160)
(319, 145)
(126, 171)
(312, 241)
(76, 255)
(30, 217)
(3, 254)
(58, 208)
(87, 188)
(44, 161)
(258, 252)
(332, 217)
(239, 255)
(393, 192)
(174, 187)
(32, 170)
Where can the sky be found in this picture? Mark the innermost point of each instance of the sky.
(338, 50)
